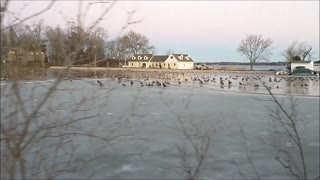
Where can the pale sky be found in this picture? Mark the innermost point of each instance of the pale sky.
(206, 30)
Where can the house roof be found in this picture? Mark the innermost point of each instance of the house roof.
(149, 56)
(304, 62)
(318, 62)
(159, 58)
(185, 58)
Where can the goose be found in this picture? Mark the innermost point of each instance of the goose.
(131, 82)
(100, 83)
(124, 84)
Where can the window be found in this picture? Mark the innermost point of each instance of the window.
(164, 64)
(139, 57)
(133, 58)
(145, 57)
(174, 64)
(131, 64)
(171, 57)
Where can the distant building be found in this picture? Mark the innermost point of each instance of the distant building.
(171, 61)
(305, 64)
(20, 55)
(316, 66)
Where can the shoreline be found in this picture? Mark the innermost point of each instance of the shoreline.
(103, 72)
(240, 71)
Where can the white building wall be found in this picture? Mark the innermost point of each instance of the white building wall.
(306, 65)
(137, 64)
(133, 64)
(185, 65)
(316, 67)
(171, 62)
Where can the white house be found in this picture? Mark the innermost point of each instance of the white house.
(171, 61)
(316, 66)
(305, 64)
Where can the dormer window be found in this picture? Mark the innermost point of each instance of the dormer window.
(181, 57)
(171, 57)
(145, 57)
(139, 57)
(133, 58)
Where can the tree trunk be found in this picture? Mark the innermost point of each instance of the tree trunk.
(251, 66)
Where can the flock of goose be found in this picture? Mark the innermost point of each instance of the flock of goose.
(242, 81)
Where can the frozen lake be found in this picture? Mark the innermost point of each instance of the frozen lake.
(149, 113)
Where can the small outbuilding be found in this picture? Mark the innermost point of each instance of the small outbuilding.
(302, 64)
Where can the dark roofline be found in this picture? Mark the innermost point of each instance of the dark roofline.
(159, 58)
(184, 58)
(301, 62)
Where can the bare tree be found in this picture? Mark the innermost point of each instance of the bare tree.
(296, 49)
(125, 46)
(115, 50)
(288, 126)
(136, 43)
(255, 48)
(36, 143)
(193, 152)
(39, 144)
(249, 158)
(18, 20)
(56, 52)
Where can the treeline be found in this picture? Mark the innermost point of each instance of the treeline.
(71, 44)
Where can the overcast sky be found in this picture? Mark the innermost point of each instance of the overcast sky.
(207, 30)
